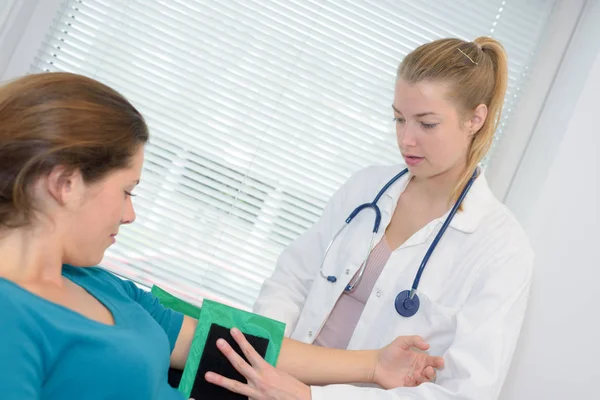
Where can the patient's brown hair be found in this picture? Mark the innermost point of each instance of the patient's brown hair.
(60, 119)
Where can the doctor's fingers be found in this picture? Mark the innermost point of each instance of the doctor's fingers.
(232, 385)
(237, 361)
(251, 354)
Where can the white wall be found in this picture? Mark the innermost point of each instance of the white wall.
(550, 52)
(556, 196)
(23, 26)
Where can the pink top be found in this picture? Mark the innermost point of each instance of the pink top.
(340, 325)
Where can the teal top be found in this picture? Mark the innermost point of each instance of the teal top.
(50, 352)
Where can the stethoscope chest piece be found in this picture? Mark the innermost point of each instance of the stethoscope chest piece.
(406, 306)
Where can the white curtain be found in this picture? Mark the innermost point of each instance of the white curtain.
(258, 110)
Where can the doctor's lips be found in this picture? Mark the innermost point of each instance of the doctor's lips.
(412, 160)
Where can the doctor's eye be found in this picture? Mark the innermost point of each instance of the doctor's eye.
(398, 120)
(428, 126)
(129, 194)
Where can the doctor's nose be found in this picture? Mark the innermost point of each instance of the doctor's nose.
(406, 136)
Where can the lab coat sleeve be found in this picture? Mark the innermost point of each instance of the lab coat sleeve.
(283, 295)
(487, 329)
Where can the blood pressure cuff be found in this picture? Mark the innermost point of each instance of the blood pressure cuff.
(215, 321)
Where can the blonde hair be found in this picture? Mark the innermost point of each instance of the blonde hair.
(477, 73)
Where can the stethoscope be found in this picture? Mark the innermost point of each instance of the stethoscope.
(407, 302)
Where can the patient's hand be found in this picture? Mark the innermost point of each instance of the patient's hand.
(399, 364)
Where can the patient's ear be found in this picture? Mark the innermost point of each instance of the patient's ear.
(65, 186)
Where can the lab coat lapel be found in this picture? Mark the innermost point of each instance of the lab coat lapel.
(355, 240)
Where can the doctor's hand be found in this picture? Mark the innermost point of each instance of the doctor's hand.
(403, 363)
(265, 382)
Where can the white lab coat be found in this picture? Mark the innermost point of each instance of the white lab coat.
(473, 291)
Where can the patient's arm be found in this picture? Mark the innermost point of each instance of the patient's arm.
(395, 365)
(301, 364)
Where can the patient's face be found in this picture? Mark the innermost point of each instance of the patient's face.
(94, 222)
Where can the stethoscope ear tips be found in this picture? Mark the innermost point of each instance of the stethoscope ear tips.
(406, 306)
(331, 279)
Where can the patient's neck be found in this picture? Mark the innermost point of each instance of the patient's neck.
(31, 255)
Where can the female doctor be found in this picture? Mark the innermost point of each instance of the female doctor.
(448, 261)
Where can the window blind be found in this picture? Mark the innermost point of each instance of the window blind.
(258, 110)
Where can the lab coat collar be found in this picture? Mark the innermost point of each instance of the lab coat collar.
(474, 206)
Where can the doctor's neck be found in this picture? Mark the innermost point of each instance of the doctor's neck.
(439, 188)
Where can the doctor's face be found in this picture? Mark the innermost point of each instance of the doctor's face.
(431, 136)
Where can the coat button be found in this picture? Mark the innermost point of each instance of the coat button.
(310, 333)
(378, 293)
(347, 272)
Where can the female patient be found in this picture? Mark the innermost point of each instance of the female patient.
(71, 153)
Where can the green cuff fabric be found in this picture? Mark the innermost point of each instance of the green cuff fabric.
(228, 317)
